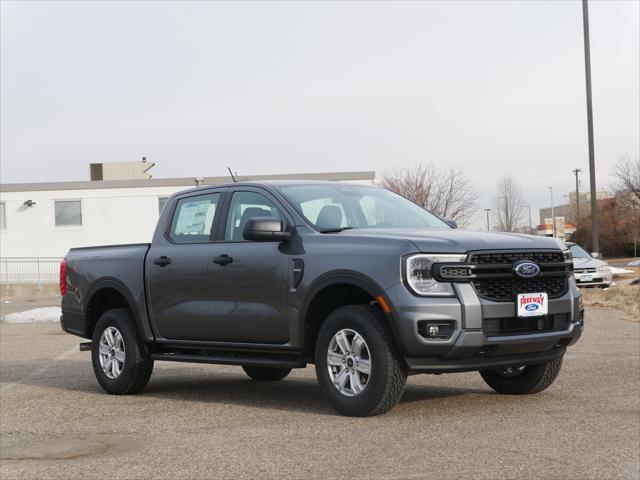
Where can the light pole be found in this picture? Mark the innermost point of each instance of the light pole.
(576, 172)
(553, 214)
(595, 246)
(487, 210)
(530, 227)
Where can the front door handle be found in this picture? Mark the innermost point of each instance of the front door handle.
(223, 259)
(162, 261)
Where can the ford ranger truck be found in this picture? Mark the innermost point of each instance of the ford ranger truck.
(357, 280)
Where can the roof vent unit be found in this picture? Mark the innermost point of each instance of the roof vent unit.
(121, 170)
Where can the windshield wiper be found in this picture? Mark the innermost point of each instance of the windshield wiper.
(335, 230)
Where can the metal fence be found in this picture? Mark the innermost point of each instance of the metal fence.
(29, 269)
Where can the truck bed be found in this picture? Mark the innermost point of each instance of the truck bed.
(111, 267)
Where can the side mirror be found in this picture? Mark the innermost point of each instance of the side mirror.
(265, 229)
(452, 223)
(597, 255)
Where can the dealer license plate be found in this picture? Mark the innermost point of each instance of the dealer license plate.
(532, 304)
(586, 277)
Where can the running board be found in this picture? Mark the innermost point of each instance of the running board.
(252, 361)
(85, 346)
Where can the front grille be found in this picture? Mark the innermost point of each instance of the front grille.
(454, 272)
(505, 290)
(585, 270)
(491, 274)
(521, 326)
(510, 257)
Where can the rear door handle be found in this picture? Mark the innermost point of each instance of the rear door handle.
(162, 261)
(223, 259)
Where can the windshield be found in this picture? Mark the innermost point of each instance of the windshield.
(579, 252)
(335, 207)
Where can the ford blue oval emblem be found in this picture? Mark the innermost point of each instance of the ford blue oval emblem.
(526, 269)
(532, 307)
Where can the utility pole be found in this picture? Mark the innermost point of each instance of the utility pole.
(553, 215)
(530, 227)
(595, 245)
(487, 210)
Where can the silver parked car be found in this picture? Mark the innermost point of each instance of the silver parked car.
(589, 271)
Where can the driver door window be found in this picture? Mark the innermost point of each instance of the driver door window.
(246, 205)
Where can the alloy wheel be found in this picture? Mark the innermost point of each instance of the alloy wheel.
(112, 352)
(349, 362)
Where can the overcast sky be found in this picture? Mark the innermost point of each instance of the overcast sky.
(494, 87)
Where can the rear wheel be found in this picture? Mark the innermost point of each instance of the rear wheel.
(266, 374)
(357, 363)
(522, 380)
(120, 360)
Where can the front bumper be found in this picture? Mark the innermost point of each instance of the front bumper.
(469, 348)
(598, 279)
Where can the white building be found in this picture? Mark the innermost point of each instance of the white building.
(47, 219)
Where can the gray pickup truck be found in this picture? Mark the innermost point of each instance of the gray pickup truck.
(357, 280)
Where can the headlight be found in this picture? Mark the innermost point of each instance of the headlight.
(418, 273)
(568, 256)
(604, 268)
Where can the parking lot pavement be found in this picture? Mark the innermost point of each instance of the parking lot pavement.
(207, 421)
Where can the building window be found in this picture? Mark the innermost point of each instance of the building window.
(68, 213)
(3, 217)
(161, 203)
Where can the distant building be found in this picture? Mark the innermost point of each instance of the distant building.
(563, 229)
(565, 215)
(568, 210)
(46, 219)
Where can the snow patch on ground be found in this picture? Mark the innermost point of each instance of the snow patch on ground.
(44, 314)
(620, 271)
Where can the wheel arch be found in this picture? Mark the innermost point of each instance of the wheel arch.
(107, 294)
(337, 289)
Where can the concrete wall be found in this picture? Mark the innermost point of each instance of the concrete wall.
(29, 290)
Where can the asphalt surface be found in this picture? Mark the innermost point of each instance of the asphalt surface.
(207, 421)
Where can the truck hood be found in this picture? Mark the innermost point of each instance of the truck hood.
(458, 241)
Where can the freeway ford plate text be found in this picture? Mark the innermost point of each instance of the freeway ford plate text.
(532, 304)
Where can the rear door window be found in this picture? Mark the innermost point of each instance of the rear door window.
(193, 218)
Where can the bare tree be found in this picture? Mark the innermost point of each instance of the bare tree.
(445, 192)
(509, 205)
(627, 172)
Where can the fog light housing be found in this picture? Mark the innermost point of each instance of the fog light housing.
(436, 329)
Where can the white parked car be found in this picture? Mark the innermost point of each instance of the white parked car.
(589, 271)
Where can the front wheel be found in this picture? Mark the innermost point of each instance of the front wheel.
(522, 380)
(357, 364)
(121, 362)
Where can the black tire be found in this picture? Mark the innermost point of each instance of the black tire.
(523, 380)
(385, 384)
(137, 366)
(266, 374)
